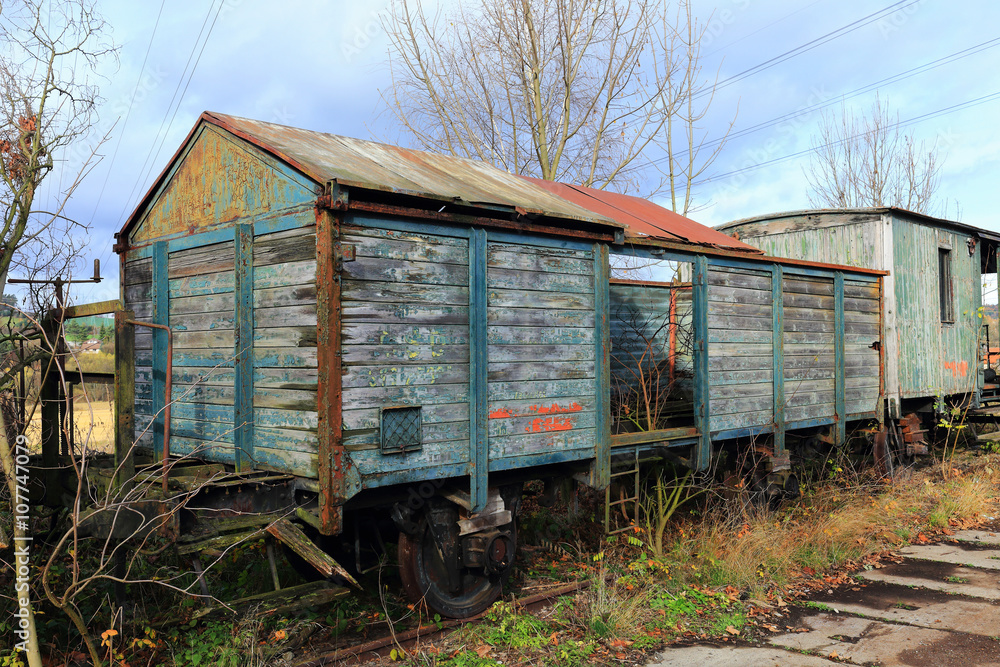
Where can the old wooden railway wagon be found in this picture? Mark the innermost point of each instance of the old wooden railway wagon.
(370, 327)
(932, 293)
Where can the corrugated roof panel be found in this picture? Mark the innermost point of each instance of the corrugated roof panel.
(377, 166)
(644, 217)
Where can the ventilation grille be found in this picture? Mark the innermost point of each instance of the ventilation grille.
(401, 430)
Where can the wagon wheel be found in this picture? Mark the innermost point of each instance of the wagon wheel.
(425, 576)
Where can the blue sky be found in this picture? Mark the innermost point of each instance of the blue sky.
(319, 64)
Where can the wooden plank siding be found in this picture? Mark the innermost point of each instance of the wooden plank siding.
(406, 343)
(541, 356)
(809, 345)
(138, 297)
(285, 376)
(201, 306)
(862, 324)
(641, 324)
(740, 378)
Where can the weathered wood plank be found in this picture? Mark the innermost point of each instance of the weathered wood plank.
(537, 280)
(286, 316)
(302, 464)
(546, 370)
(138, 292)
(206, 376)
(285, 337)
(508, 335)
(213, 258)
(408, 334)
(730, 322)
(450, 295)
(736, 406)
(794, 300)
(539, 443)
(284, 399)
(204, 357)
(401, 313)
(368, 418)
(201, 393)
(139, 271)
(502, 298)
(716, 277)
(504, 391)
(801, 412)
(286, 378)
(208, 412)
(203, 339)
(861, 290)
(541, 408)
(823, 287)
(392, 376)
(535, 317)
(541, 424)
(737, 336)
(201, 430)
(285, 357)
(862, 305)
(566, 253)
(430, 435)
(524, 258)
(722, 391)
(727, 294)
(274, 297)
(741, 420)
(207, 450)
(427, 249)
(291, 419)
(285, 439)
(739, 377)
(201, 321)
(373, 462)
(293, 245)
(283, 275)
(405, 354)
(372, 397)
(400, 271)
(525, 353)
(209, 283)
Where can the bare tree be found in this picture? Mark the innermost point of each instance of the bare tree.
(598, 93)
(48, 58)
(867, 160)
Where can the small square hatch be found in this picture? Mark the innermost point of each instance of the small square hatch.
(401, 430)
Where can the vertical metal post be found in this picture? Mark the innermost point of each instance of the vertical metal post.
(332, 458)
(124, 398)
(479, 447)
(838, 361)
(602, 365)
(51, 422)
(778, 364)
(244, 352)
(702, 408)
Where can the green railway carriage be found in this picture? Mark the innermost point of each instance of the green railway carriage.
(366, 327)
(932, 293)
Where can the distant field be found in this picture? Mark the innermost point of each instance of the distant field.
(93, 424)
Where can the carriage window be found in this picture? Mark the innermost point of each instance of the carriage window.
(944, 285)
(401, 430)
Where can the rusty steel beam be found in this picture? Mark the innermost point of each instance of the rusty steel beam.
(332, 459)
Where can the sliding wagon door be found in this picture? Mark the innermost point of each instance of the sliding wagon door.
(542, 372)
(406, 354)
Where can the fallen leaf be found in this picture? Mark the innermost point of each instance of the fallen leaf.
(833, 655)
(733, 631)
(483, 650)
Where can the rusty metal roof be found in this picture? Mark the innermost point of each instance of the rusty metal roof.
(644, 218)
(371, 165)
(381, 167)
